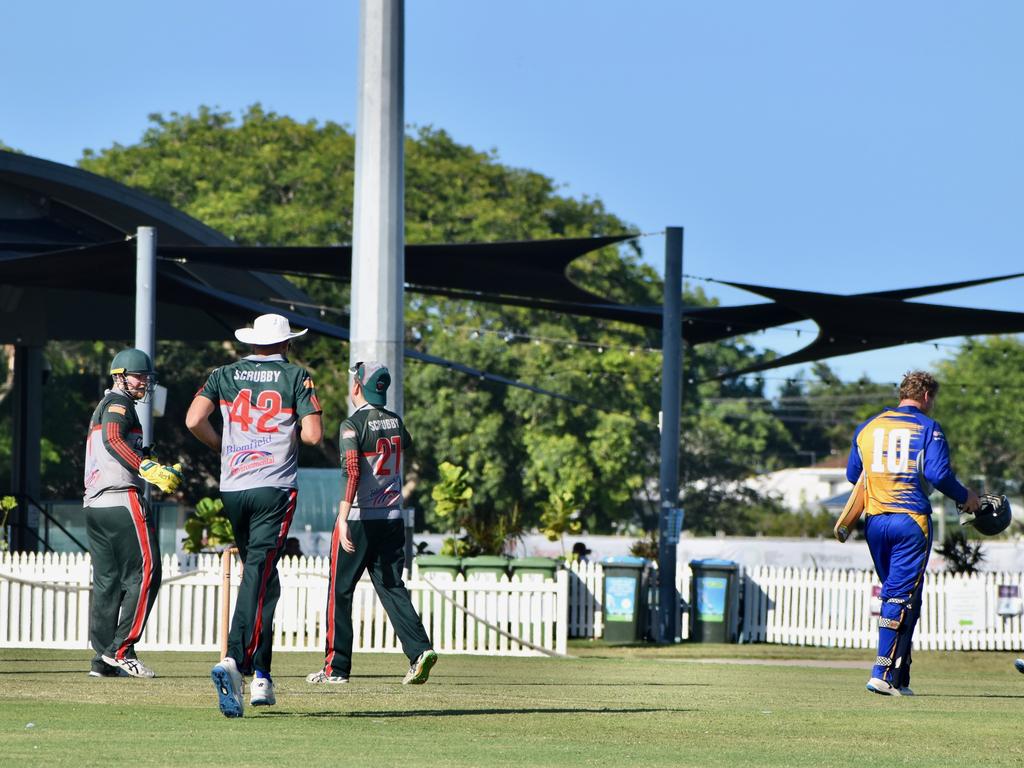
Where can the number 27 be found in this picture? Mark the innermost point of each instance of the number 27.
(389, 456)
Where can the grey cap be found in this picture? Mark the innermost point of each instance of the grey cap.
(374, 379)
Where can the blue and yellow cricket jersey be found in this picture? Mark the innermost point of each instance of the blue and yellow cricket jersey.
(903, 454)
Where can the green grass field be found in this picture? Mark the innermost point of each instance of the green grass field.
(632, 706)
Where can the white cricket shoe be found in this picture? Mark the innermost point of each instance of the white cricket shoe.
(261, 692)
(322, 677)
(227, 681)
(132, 667)
(420, 669)
(877, 685)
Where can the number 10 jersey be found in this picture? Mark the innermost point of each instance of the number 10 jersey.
(902, 453)
(262, 399)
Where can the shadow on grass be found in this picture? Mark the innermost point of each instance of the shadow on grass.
(968, 696)
(462, 712)
(569, 684)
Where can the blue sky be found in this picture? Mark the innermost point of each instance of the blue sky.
(836, 146)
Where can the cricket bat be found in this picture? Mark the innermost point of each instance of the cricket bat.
(852, 512)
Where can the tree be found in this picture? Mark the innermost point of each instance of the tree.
(980, 388)
(267, 179)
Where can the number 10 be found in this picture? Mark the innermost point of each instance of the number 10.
(897, 455)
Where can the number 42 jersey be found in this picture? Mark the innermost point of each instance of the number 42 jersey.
(262, 399)
(903, 453)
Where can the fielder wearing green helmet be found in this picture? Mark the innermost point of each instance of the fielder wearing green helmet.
(374, 379)
(132, 361)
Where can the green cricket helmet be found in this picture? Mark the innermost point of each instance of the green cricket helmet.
(134, 361)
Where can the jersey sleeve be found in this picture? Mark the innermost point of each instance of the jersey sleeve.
(115, 422)
(937, 469)
(348, 447)
(306, 401)
(854, 465)
(211, 389)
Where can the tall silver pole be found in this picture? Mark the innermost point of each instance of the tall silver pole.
(145, 314)
(378, 243)
(670, 520)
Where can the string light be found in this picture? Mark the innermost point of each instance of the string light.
(509, 336)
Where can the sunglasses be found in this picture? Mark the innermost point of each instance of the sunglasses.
(355, 368)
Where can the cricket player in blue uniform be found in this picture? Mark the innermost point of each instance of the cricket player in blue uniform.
(903, 455)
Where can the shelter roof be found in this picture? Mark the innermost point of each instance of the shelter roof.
(67, 272)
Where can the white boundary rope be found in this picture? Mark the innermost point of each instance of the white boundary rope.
(182, 576)
(503, 633)
(60, 587)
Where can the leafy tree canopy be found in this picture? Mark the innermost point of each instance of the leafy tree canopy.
(267, 179)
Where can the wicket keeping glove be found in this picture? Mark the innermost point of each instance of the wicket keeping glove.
(166, 478)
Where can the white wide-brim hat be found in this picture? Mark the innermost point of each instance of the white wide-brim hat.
(268, 329)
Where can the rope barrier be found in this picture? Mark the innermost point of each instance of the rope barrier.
(60, 587)
(489, 625)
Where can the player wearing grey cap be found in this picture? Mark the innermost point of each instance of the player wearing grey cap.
(369, 532)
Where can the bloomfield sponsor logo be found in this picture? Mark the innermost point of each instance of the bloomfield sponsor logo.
(247, 461)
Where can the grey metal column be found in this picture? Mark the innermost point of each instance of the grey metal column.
(145, 315)
(378, 241)
(27, 435)
(670, 520)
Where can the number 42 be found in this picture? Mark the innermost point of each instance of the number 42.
(241, 408)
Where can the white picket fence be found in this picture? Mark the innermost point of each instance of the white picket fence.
(44, 602)
(835, 608)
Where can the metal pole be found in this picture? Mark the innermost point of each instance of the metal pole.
(378, 245)
(145, 314)
(26, 445)
(670, 521)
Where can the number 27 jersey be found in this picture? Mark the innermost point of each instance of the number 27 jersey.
(262, 399)
(902, 453)
(373, 441)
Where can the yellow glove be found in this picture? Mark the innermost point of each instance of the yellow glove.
(166, 478)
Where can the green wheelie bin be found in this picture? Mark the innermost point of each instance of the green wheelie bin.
(485, 566)
(439, 564)
(714, 601)
(524, 568)
(625, 598)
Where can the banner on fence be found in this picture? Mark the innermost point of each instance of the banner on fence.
(1009, 600)
(965, 606)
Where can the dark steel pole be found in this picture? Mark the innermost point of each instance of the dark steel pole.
(670, 520)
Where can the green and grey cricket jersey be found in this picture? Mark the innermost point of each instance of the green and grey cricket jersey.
(373, 441)
(113, 451)
(262, 399)
(122, 538)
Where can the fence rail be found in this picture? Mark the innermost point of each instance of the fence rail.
(44, 602)
(839, 608)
